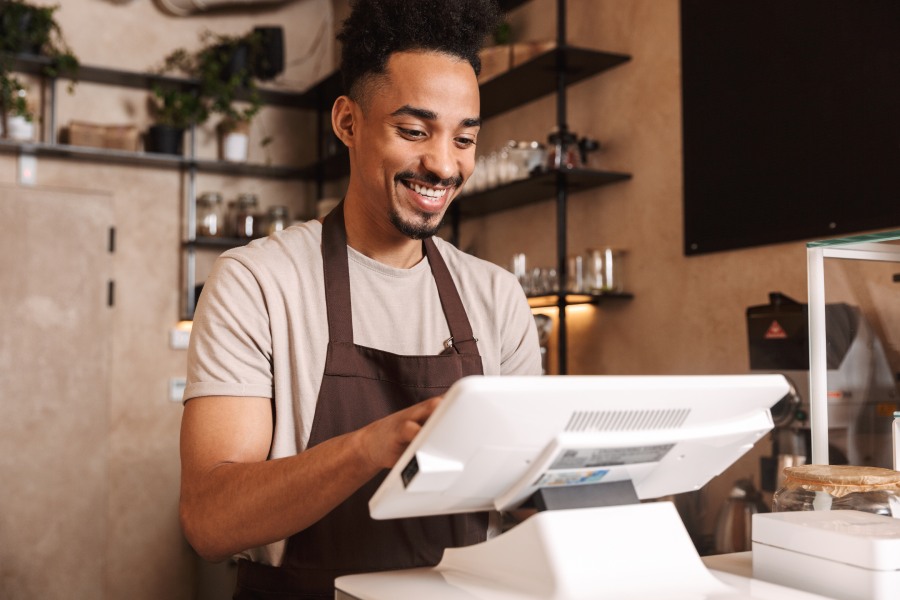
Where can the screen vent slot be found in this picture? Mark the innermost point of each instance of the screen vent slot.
(626, 420)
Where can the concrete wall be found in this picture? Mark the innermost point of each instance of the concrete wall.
(140, 551)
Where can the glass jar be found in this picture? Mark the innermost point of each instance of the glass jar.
(245, 215)
(562, 151)
(575, 275)
(524, 158)
(603, 271)
(276, 219)
(839, 487)
(210, 215)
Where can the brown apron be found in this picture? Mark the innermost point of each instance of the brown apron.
(361, 385)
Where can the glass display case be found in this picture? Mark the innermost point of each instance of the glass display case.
(854, 347)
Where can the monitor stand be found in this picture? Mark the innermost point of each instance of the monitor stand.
(629, 551)
(604, 493)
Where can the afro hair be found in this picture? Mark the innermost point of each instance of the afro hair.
(376, 29)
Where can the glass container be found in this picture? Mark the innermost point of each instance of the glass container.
(245, 209)
(524, 158)
(210, 215)
(839, 487)
(603, 271)
(276, 219)
(575, 275)
(563, 152)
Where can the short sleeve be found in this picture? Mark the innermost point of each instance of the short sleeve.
(230, 352)
(520, 352)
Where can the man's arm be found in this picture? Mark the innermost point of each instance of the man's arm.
(233, 499)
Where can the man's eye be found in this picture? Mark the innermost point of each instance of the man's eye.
(411, 133)
(465, 142)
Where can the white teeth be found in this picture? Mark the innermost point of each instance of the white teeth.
(430, 192)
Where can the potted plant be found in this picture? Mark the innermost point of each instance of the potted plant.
(15, 117)
(226, 70)
(29, 29)
(174, 109)
(225, 83)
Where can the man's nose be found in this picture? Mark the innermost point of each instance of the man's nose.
(440, 159)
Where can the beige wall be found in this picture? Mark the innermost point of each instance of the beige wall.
(142, 553)
(687, 315)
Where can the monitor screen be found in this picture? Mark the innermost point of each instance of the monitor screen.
(494, 441)
(789, 120)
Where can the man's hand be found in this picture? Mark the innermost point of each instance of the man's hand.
(383, 441)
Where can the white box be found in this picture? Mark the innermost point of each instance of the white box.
(843, 554)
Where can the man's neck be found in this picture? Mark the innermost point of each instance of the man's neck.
(379, 240)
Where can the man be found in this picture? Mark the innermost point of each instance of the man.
(317, 353)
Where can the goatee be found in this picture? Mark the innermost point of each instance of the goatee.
(426, 225)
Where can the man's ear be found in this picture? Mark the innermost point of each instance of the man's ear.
(344, 114)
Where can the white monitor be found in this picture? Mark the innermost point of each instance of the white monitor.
(494, 441)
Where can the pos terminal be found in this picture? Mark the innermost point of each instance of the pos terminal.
(587, 449)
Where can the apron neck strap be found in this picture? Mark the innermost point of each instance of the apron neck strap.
(337, 276)
(460, 330)
(337, 286)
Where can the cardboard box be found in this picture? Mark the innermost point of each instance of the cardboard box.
(112, 137)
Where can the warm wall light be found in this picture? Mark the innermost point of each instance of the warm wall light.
(180, 335)
(550, 311)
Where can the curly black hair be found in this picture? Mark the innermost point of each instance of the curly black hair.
(376, 29)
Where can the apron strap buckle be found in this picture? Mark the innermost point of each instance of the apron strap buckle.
(448, 343)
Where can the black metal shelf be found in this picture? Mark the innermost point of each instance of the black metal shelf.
(573, 299)
(333, 167)
(538, 77)
(35, 65)
(508, 5)
(520, 85)
(216, 243)
(149, 159)
(536, 188)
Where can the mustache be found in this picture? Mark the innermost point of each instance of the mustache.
(430, 179)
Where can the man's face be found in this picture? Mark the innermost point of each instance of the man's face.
(415, 143)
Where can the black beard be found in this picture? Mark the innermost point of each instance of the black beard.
(415, 231)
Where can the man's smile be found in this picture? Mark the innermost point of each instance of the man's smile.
(425, 191)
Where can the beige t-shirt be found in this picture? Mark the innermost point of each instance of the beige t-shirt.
(261, 329)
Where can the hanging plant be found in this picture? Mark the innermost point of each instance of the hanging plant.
(29, 29)
(223, 69)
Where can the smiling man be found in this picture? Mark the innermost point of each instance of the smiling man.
(318, 352)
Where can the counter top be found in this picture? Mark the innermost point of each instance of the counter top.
(736, 570)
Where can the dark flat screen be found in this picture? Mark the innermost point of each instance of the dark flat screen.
(791, 120)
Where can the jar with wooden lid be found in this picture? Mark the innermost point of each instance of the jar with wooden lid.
(839, 487)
